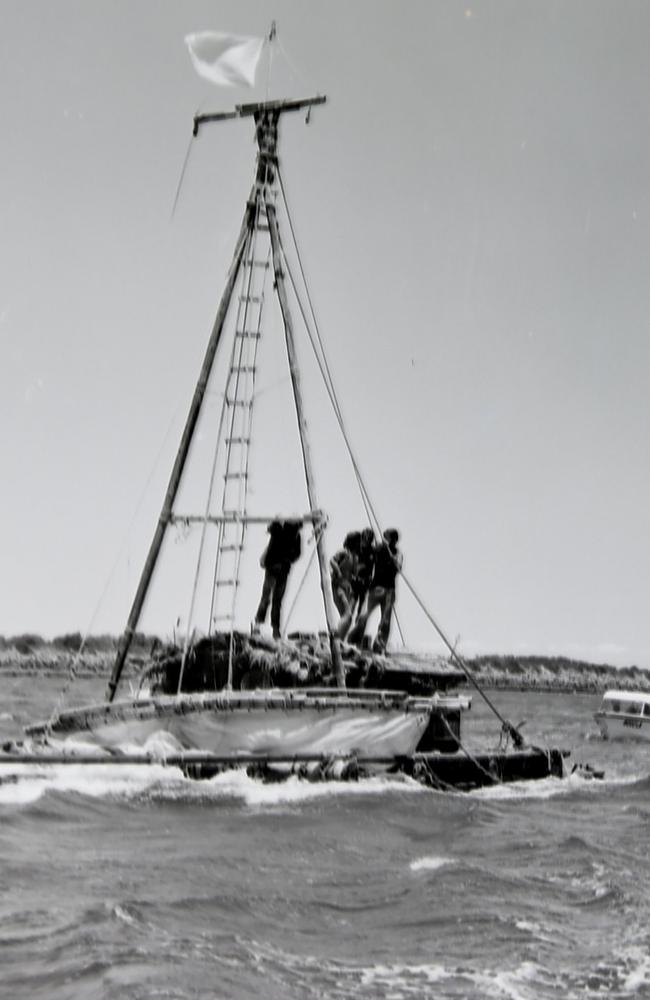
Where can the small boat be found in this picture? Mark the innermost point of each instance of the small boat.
(624, 715)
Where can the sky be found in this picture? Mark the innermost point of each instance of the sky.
(472, 208)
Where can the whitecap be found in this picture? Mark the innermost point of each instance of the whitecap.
(548, 788)
(92, 780)
(132, 781)
(124, 915)
(398, 975)
(20, 793)
(430, 863)
(295, 790)
(639, 975)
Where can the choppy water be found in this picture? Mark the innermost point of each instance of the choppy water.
(136, 883)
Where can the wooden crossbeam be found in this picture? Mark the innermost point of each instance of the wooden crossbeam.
(249, 110)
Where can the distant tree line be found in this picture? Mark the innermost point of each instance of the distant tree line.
(555, 664)
(28, 642)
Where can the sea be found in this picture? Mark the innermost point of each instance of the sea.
(135, 883)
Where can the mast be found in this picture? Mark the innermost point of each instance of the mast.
(166, 514)
(325, 585)
(266, 115)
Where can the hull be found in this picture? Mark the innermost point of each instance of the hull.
(270, 723)
(620, 727)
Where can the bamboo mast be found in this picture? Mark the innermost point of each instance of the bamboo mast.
(266, 116)
(323, 569)
(181, 455)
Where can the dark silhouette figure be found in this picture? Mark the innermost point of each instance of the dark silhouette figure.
(280, 554)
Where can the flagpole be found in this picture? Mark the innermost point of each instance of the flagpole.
(270, 40)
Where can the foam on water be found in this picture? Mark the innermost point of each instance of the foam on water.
(92, 780)
(295, 790)
(639, 973)
(547, 788)
(430, 863)
(402, 980)
(135, 781)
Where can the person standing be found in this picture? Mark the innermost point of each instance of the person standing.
(365, 569)
(282, 551)
(388, 563)
(344, 566)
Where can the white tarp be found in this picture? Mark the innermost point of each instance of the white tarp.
(227, 60)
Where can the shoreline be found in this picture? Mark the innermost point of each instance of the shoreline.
(32, 656)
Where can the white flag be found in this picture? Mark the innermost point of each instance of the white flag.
(228, 60)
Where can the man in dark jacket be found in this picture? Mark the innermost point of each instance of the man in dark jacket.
(344, 566)
(365, 569)
(277, 559)
(388, 563)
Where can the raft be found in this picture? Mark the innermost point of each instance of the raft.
(458, 771)
(302, 660)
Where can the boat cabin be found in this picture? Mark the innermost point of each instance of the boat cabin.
(629, 703)
(624, 715)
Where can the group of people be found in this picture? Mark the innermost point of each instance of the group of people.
(363, 574)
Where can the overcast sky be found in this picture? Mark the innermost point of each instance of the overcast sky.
(472, 207)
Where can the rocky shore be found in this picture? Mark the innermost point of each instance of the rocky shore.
(31, 654)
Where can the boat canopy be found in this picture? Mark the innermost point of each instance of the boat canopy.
(627, 702)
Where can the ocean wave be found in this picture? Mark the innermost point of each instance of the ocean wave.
(156, 781)
(402, 979)
(621, 978)
(548, 788)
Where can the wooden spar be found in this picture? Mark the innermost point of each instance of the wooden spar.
(234, 517)
(437, 770)
(182, 453)
(187, 757)
(249, 110)
(326, 589)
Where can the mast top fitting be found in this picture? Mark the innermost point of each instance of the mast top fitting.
(257, 110)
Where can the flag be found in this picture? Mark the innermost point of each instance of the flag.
(227, 60)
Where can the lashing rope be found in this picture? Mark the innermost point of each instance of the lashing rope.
(329, 384)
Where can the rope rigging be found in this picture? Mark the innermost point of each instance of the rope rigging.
(269, 164)
(372, 517)
(75, 660)
(321, 360)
